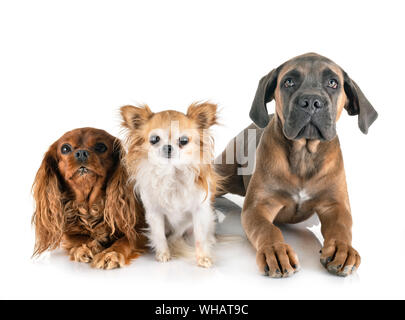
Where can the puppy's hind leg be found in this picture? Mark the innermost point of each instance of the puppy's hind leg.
(203, 221)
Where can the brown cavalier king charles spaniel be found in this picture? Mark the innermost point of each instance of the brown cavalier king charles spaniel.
(85, 203)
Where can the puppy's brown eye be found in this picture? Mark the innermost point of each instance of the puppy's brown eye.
(100, 147)
(289, 83)
(183, 140)
(66, 148)
(154, 139)
(332, 83)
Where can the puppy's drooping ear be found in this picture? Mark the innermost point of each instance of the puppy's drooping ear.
(264, 94)
(204, 113)
(48, 216)
(121, 211)
(357, 104)
(134, 117)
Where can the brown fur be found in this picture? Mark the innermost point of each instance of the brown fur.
(94, 216)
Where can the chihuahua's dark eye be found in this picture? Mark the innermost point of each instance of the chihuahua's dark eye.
(100, 147)
(154, 139)
(288, 83)
(332, 83)
(66, 148)
(183, 140)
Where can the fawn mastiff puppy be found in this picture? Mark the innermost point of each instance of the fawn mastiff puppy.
(298, 162)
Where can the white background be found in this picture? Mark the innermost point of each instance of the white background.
(69, 64)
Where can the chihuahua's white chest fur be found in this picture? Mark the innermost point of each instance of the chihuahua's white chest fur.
(174, 204)
(167, 188)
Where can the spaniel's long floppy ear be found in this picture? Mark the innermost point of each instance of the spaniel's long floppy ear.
(121, 211)
(134, 117)
(357, 104)
(204, 113)
(264, 94)
(48, 216)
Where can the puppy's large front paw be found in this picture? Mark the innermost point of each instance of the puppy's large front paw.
(163, 256)
(339, 258)
(108, 260)
(277, 260)
(81, 254)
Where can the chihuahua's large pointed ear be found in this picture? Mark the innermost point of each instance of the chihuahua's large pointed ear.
(48, 217)
(134, 117)
(204, 113)
(357, 104)
(264, 93)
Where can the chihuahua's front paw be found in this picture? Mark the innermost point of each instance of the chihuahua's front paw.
(108, 260)
(339, 258)
(163, 256)
(81, 254)
(204, 261)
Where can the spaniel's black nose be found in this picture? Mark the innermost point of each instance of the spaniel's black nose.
(81, 155)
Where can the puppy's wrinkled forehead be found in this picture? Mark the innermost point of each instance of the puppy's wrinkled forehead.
(312, 68)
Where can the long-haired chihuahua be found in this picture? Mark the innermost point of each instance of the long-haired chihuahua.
(170, 160)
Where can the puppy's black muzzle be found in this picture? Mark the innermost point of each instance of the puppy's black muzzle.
(310, 117)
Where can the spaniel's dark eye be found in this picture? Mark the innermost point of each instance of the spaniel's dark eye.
(332, 83)
(183, 140)
(288, 83)
(66, 148)
(154, 139)
(100, 147)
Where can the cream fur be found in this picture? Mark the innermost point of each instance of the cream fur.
(174, 205)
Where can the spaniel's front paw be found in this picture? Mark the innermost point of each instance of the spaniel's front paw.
(108, 260)
(81, 254)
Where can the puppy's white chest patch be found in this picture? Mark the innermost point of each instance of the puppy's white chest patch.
(301, 196)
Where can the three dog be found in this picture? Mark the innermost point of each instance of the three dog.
(294, 169)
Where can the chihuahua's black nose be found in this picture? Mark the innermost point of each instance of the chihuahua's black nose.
(81, 155)
(167, 150)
